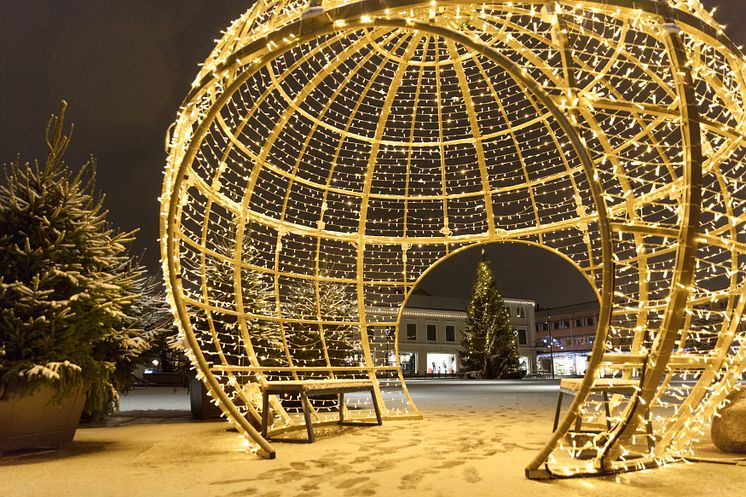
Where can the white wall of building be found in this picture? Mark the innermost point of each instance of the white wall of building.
(436, 353)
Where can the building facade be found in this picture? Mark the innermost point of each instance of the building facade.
(564, 338)
(431, 330)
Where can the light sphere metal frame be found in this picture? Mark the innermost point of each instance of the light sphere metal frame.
(328, 155)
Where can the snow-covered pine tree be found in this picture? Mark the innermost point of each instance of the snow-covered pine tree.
(68, 288)
(258, 299)
(166, 345)
(145, 320)
(327, 320)
(488, 346)
(338, 303)
(335, 307)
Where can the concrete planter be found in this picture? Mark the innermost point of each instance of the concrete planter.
(36, 421)
(201, 406)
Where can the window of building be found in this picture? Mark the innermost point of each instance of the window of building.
(521, 336)
(411, 331)
(431, 332)
(520, 312)
(579, 323)
(408, 362)
(450, 333)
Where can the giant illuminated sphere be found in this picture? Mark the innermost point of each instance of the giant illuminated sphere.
(327, 156)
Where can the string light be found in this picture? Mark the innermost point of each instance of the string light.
(319, 167)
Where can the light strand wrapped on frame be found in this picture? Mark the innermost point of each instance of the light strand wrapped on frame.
(345, 154)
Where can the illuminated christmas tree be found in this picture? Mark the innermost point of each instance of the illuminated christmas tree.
(489, 346)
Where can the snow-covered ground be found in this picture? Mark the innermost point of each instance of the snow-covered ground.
(155, 398)
(475, 440)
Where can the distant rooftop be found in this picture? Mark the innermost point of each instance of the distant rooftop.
(421, 299)
(568, 310)
(418, 301)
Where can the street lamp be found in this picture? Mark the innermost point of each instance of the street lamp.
(551, 344)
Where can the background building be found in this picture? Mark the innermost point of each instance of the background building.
(432, 327)
(564, 337)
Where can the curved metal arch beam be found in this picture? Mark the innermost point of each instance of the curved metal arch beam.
(629, 4)
(364, 338)
(493, 241)
(313, 83)
(362, 225)
(530, 185)
(632, 213)
(478, 144)
(620, 102)
(407, 177)
(684, 19)
(237, 266)
(321, 26)
(175, 184)
(603, 221)
(259, 163)
(527, 33)
(442, 152)
(178, 176)
(645, 129)
(327, 189)
(405, 246)
(527, 182)
(236, 259)
(685, 257)
(726, 336)
(350, 237)
(561, 33)
(731, 375)
(694, 399)
(571, 64)
(266, 148)
(568, 63)
(252, 46)
(170, 241)
(513, 43)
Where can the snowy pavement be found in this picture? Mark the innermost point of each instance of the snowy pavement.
(155, 398)
(475, 440)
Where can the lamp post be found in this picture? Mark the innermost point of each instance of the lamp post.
(551, 345)
(387, 332)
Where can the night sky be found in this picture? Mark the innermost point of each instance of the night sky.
(124, 66)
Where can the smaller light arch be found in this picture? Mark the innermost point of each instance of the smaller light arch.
(444, 260)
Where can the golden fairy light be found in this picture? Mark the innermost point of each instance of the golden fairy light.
(328, 155)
